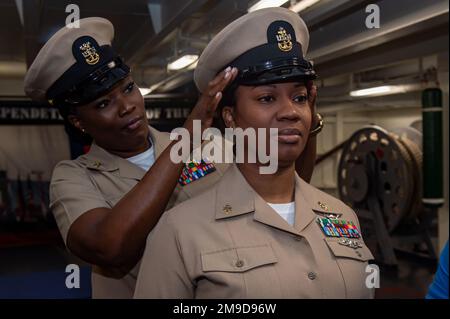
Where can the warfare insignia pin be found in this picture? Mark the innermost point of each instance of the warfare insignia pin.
(338, 228)
(193, 171)
(350, 243)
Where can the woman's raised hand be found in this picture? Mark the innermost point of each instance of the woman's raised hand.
(209, 100)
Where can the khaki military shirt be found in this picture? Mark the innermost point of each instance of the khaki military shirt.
(100, 179)
(229, 243)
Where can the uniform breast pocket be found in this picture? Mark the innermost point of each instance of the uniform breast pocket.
(239, 272)
(352, 259)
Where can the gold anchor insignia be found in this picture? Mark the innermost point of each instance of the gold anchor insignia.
(284, 40)
(227, 209)
(89, 53)
(97, 164)
(323, 206)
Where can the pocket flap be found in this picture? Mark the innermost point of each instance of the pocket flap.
(339, 250)
(238, 259)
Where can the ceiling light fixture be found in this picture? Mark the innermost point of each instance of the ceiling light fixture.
(266, 4)
(302, 5)
(384, 90)
(182, 62)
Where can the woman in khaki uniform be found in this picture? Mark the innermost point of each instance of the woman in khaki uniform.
(253, 235)
(107, 201)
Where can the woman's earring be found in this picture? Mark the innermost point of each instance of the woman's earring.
(231, 125)
(83, 130)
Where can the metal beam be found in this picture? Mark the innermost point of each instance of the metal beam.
(136, 50)
(349, 34)
(415, 45)
(331, 10)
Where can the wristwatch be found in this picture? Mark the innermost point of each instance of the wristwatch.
(318, 127)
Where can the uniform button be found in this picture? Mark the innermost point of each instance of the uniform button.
(312, 275)
(239, 263)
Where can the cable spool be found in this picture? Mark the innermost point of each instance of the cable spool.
(411, 139)
(395, 177)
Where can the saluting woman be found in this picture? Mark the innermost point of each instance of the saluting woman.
(107, 201)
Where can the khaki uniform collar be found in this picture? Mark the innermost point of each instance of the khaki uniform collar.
(160, 141)
(242, 199)
(99, 159)
(234, 196)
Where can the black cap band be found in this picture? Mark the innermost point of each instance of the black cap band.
(278, 68)
(94, 85)
(97, 70)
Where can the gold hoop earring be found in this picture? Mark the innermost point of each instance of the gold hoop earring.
(319, 126)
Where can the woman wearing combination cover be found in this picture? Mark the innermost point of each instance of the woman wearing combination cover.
(258, 235)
